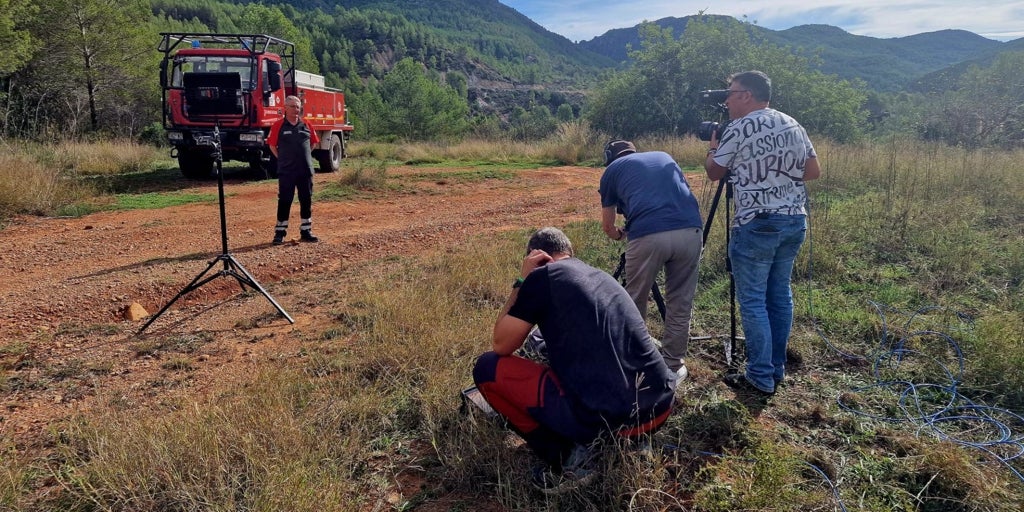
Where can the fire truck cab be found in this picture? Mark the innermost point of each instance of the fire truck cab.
(223, 92)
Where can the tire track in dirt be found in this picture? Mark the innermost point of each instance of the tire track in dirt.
(67, 280)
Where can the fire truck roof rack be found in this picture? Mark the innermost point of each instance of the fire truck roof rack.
(255, 43)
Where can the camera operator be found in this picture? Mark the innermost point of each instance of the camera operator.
(605, 374)
(766, 156)
(663, 226)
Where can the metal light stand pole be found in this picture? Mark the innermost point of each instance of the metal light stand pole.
(231, 266)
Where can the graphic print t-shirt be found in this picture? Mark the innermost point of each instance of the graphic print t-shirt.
(765, 152)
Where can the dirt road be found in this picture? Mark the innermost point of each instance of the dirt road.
(64, 342)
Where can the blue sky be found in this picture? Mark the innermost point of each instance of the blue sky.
(582, 20)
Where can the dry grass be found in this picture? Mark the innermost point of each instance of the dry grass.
(103, 158)
(43, 180)
(573, 143)
(374, 400)
(30, 187)
(253, 453)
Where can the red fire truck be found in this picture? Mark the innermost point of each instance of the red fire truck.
(224, 91)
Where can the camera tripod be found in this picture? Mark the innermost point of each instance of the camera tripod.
(655, 291)
(731, 347)
(231, 266)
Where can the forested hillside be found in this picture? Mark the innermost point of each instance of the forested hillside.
(508, 76)
(489, 26)
(949, 78)
(885, 65)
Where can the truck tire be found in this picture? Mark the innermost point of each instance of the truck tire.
(195, 165)
(330, 159)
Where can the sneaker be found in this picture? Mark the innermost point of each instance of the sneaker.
(739, 382)
(551, 484)
(278, 239)
(642, 447)
(578, 471)
(534, 348)
(681, 373)
(309, 237)
(544, 480)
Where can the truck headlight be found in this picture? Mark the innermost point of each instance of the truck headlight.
(175, 136)
(251, 137)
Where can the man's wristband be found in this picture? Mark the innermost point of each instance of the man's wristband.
(518, 282)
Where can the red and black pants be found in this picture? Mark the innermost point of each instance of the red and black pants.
(531, 398)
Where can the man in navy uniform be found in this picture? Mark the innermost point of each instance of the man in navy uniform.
(291, 142)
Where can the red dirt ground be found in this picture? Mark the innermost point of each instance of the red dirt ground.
(68, 281)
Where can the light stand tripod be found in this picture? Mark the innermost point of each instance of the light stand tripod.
(231, 266)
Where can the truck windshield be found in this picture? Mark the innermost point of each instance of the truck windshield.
(212, 64)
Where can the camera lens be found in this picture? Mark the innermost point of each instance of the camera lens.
(707, 128)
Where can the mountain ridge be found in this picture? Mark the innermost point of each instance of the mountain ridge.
(529, 54)
(885, 65)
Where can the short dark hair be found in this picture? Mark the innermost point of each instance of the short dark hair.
(550, 240)
(758, 83)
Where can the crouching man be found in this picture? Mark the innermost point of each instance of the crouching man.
(606, 376)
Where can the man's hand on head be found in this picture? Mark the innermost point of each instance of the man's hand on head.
(536, 258)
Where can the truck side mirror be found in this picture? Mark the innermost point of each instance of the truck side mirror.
(163, 74)
(274, 75)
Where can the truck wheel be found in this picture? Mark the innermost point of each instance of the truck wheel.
(330, 160)
(195, 166)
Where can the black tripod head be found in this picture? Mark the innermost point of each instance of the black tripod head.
(215, 142)
(212, 142)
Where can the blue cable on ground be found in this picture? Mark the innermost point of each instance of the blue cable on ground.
(938, 409)
(831, 485)
(935, 408)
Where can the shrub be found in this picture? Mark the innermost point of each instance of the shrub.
(28, 186)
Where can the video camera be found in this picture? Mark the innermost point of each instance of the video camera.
(716, 98)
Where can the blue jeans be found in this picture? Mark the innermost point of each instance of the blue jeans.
(762, 253)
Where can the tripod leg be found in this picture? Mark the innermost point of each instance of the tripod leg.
(246, 279)
(732, 356)
(191, 286)
(231, 266)
(620, 268)
(658, 299)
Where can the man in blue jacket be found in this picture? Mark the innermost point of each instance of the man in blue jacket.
(663, 229)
